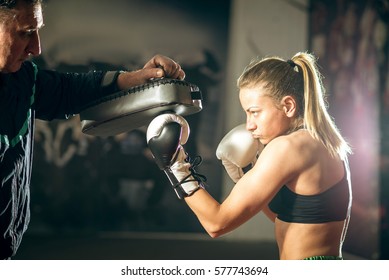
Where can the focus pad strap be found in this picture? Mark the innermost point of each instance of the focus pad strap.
(164, 146)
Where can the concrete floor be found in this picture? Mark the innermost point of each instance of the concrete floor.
(144, 246)
(138, 248)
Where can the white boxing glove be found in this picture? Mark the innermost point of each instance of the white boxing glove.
(166, 135)
(238, 151)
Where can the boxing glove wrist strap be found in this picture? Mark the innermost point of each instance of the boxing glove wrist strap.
(193, 176)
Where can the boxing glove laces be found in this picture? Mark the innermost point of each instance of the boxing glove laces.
(166, 135)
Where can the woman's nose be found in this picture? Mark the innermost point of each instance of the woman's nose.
(250, 126)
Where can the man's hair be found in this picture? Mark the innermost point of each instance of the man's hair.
(6, 7)
(10, 4)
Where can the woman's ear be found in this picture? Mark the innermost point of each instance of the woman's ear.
(289, 106)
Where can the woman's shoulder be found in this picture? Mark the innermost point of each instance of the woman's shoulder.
(296, 140)
(299, 146)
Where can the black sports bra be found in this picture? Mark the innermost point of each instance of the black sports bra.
(328, 206)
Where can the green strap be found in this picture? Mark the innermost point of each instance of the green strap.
(13, 142)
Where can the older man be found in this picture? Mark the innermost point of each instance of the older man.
(27, 93)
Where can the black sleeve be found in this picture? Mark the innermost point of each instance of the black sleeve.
(59, 95)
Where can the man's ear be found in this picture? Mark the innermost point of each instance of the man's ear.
(289, 106)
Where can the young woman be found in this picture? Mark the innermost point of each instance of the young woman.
(300, 179)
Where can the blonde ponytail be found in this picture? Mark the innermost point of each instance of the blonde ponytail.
(317, 120)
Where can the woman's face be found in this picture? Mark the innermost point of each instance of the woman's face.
(264, 119)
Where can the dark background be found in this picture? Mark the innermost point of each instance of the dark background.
(96, 198)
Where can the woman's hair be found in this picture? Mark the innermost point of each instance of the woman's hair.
(300, 78)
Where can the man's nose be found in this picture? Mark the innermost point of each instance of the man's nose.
(34, 46)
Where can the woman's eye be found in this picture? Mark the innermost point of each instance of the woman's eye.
(254, 113)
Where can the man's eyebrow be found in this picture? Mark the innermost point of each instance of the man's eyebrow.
(33, 28)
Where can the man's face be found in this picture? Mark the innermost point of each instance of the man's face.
(19, 36)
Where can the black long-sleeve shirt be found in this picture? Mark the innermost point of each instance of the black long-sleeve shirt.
(25, 95)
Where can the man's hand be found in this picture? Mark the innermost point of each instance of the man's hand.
(158, 67)
(171, 69)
